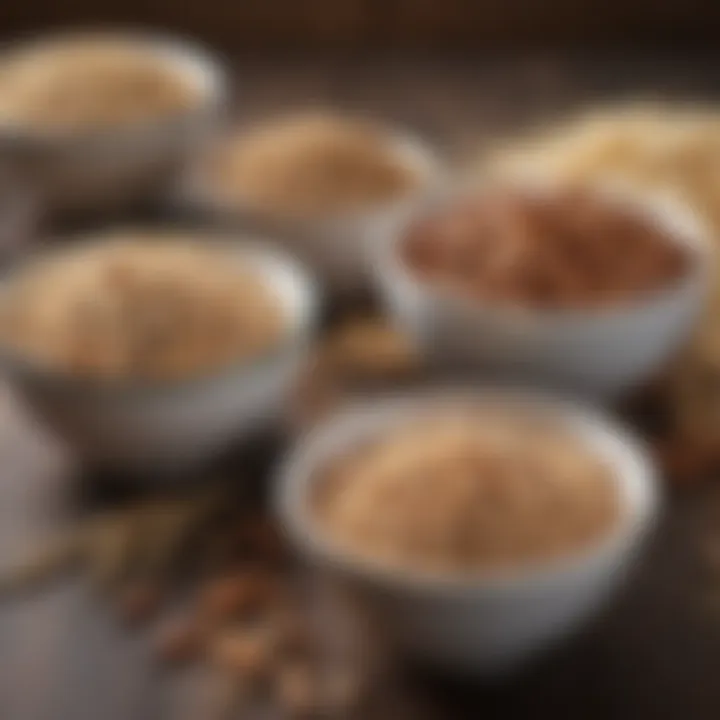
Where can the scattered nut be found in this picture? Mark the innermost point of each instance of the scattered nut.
(250, 623)
(685, 460)
(371, 348)
(342, 689)
(222, 697)
(263, 539)
(298, 690)
(178, 640)
(139, 601)
(296, 636)
(246, 652)
(235, 594)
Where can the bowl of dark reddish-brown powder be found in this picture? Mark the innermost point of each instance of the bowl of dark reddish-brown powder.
(586, 288)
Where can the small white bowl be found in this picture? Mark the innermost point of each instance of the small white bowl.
(599, 352)
(101, 169)
(490, 623)
(337, 246)
(173, 426)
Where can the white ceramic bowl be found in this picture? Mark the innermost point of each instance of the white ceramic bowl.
(156, 427)
(338, 247)
(484, 624)
(102, 169)
(597, 352)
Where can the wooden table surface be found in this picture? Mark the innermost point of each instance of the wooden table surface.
(654, 654)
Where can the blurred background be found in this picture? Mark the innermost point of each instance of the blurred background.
(460, 72)
(391, 25)
(452, 68)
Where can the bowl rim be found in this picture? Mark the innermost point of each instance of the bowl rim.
(410, 149)
(622, 448)
(186, 57)
(667, 210)
(270, 259)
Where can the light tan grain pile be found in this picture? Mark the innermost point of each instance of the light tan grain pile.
(153, 307)
(88, 83)
(308, 165)
(461, 491)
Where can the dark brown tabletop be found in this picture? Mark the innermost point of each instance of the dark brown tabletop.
(653, 654)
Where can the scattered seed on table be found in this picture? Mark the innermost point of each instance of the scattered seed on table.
(179, 639)
(297, 689)
(247, 652)
(139, 601)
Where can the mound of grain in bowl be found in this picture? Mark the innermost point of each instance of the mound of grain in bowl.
(463, 491)
(309, 165)
(557, 249)
(150, 308)
(89, 83)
